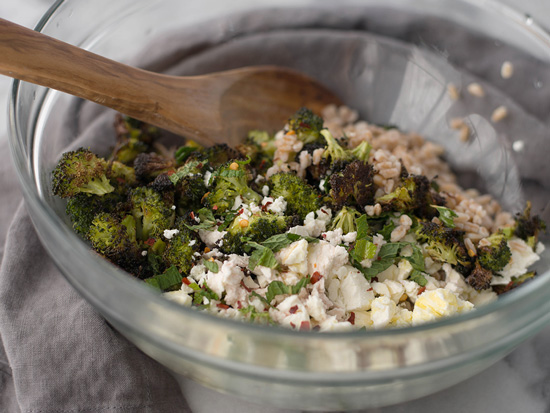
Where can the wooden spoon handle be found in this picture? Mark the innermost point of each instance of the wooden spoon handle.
(33, 57)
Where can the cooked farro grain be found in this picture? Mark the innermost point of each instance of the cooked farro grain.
(475, 89)
(453, 91)
(507, 70)
(499, 114)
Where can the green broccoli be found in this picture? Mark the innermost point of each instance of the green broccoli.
(181, 247)
(150, 165)
(306, 125)
(217, 155)
(353, 185)
(114, 237)
(257, 228)
(133, 137)
(335, 152)
(362, 151)
(260, 148)
(153, 212)
(346, 219)
(445, 245)
(121, 174)
(301, 197)
(227, 183)
(495, 256)
(82, 208)
(528, 227)
(80, 171)
(412, 195)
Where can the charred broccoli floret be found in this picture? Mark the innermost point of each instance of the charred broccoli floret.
(227, 183)
(181, 247)
(346, 220)
(307, 125)
(150, 165)
(445, 244)
(480, 277)
(495, 256)
(82, 208)
(122, 174)
(153, 213)
(529, 227)
(301, 197)
(217, 155)
(412, 195)
(260, 148)
(353, 185)
(80, 171)
(114, 237)
(335, 152)
(133, 137)
(259, 227)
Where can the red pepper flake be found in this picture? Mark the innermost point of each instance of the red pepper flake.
(215, 207)
(315, 277)
(222, 306)
(240, 211)
(421, 290)
(245, 287)
(239, 305)
(374, 279)
(370, 289)
(292, 325)
(200, 165)
(185, 281)
(323, 211)
(150, 242)
(192, 215)
(324, 236)
(169, 173)
(267, 204)
(351, 318)
(120, 180)
(305, 325)
(293, 309)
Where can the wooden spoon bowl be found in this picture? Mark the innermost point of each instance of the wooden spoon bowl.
(214, 108)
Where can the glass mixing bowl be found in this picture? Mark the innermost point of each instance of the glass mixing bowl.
(390, 59)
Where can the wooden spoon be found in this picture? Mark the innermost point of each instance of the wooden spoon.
(214, 108)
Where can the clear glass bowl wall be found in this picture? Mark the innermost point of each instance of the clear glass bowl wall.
(399, 78)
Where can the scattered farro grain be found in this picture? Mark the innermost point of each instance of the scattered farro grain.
(457, 123)
(453, 91)
(475, 89)
(470, 247)
(507, 70)
(499, 114)
(464, 133)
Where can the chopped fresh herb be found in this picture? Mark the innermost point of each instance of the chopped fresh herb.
(254, 315)
(156, 263)
(185, 170)
(260, 256)
(207, 221)
(278, 288)
(362, 227)
(364, 249)
(168, 280)
(387, 229)
(183, 152)
(211, 266)
(201, 293)
(418, 278)
(446, 216)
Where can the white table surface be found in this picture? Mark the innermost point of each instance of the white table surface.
(518, 383)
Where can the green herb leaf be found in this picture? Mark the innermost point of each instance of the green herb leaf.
(364, 249)
(156, 262)
(278, 288)
(362, 227)
(446, 215)
(387, 229)
(256, 316)
(184, 171)
(261, 256)
(170, 279)
(201, 293)
(227, 220)
(183, 152)
(417, 258)
(211, 266)
(418, 278)
(207, 221)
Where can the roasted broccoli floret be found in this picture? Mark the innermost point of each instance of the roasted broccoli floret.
(480, 277)
(335, 152)
(133, 137)
(80, 171)
(306, 125)
(412, 195)
(260, 148)
(150, 165)
(301, 198)
(121, 174)
(362, 151)
(217, 155)
(259, 227)
(181, 247)
(114, 236)
(353, 185)
(82, 208)
(529, 227)
(495, 256)
(153, 213)
(445, 244)
(346, 220)
(227, 183)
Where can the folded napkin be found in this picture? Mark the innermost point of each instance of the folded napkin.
(56, 353)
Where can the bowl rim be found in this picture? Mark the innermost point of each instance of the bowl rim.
(135, 288)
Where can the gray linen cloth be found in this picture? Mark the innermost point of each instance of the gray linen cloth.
(56, 353)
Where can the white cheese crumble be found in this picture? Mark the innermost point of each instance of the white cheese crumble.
(170, 233)
(265, 190)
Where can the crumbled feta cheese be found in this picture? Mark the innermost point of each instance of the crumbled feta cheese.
(278, 206)
(523, 256)
(180, 297)
(144, 253)
(355, 290)
(325, 258)
(228, 279)
(431, 305)
(334, 237)
(192, 242)
(265, 190)
(294, 256)
(211, 238)
(173, 207)
(170, 233)
(349, 237)
(238, 203)
(383, 309)
(207, 176)
(322, 183)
